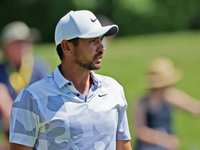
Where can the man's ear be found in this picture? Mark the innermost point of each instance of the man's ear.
(65, 46)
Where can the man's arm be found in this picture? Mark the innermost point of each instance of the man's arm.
(123, 145)
(14, 146)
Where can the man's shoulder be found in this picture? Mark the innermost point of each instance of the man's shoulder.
(43, 83)
(39, 89)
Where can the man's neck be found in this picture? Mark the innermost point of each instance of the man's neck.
(81, 79)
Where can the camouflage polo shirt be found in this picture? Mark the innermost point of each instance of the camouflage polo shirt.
(51, 114)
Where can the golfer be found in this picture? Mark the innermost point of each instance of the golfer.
(73, 108)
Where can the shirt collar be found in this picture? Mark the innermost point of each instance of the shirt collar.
(61, 81)
(95, 79)
(58, 77)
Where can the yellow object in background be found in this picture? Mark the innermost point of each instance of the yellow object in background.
(21, 79)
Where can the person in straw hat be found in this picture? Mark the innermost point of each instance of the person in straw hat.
(153, 114)
(18, 67)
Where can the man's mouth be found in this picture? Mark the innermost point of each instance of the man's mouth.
(99, 57)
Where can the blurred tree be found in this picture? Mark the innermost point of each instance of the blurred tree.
(42, 15)
(132, 16)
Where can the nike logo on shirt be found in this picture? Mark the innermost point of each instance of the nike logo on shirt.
(101, 95)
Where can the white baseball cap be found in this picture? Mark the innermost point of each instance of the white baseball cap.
(81, 24)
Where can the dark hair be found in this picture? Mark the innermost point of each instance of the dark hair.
(75, 42)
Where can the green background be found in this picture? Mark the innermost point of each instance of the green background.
(126, 60)
(148, 28)
(134, 17)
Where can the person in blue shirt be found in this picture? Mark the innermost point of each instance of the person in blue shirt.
(18, 67)
(73, 108)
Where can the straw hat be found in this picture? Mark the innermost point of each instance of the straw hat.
(162, 72)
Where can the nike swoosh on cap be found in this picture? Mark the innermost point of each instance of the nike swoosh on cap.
(93, 20)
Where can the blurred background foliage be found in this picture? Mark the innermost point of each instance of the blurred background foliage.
(134, 17)
(128, 55)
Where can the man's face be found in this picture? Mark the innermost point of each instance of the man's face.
(14, 51)
(89, 53)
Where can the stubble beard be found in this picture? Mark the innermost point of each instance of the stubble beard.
(85, 63)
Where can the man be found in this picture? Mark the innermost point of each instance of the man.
(18, 68)
(73, 108)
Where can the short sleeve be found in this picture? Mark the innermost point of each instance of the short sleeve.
(24, 121)
(123, 132)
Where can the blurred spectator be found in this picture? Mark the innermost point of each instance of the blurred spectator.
(18, 68)
(153, 114)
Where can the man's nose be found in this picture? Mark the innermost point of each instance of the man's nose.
(101, 46)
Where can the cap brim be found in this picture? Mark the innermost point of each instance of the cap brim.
(106, 31)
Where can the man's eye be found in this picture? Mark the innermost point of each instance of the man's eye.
(93, 40)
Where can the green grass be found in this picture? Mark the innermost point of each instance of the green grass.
(126, 60)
